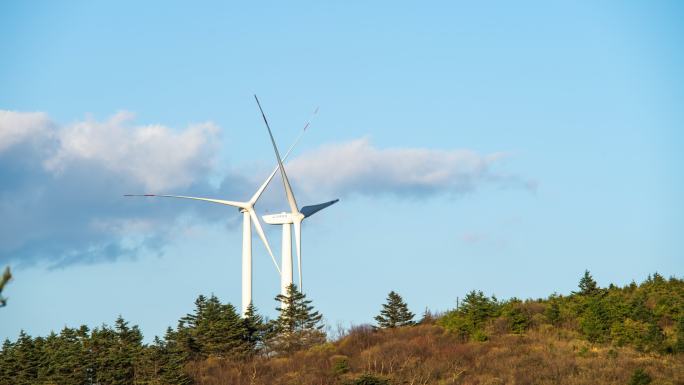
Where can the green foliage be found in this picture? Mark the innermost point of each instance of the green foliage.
(517, 316)
(648, 317)
(588, 285)
(214, 329)
(640, 377)
(479, 308)
(254, 328)
(394, 313)
(479, 335)
(584, 351)
(6, 277)
(169, 358)
(626, 316)
(117, 356)
(679, 342)
(594, 321)
(469, 320)
(552, 311)
(75, 356)
(219, 329)
(368, 379)
(642, 335)
(340, 364)
(298, 326)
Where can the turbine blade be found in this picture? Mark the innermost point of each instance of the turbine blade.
(308, 211)
(308, 122)
(219, 201)
(261, 189)
(298, 243)
(288, 189)
(260, 231)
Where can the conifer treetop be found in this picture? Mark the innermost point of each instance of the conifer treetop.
(394, 313)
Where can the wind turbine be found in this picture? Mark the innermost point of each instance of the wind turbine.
(294, 217)
(248, 217)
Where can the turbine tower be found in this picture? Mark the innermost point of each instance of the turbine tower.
(294, 217)
(249, 217)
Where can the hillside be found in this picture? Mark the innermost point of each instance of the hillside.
(615, 335)
(428, 354)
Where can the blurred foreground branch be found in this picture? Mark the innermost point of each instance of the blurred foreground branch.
(6, 277)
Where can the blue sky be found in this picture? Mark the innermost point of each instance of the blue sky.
(502, 147)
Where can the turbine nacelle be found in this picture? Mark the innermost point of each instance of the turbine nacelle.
(282, 218)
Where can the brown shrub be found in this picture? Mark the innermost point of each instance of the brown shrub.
(426, 354)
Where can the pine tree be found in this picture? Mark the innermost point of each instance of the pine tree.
(478, 308)
(298, 326)
(595, 322)
(66, 360)
(171, 358)
(254, 328)
(8, 363)
(186, 342)
(394, 313)
(552, 312)
(116, 353)
(587, 285)
(214, 329)
(27, 359)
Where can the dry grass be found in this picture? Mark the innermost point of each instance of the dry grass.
(428, 355)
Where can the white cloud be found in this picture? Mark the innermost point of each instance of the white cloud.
(18, 127)
(154, 155)
(61, 192)
(61, 196)
(359, 167)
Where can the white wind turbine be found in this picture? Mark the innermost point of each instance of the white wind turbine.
(248, 217)
(294, 217)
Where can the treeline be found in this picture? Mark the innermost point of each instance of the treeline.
(117, 356)
(648, 317)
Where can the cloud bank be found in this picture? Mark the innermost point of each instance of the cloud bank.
(358, 167)
(61, 193)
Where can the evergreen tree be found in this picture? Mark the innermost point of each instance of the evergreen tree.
(170, 357)
(184, 338)
(552, 311)
(27, 359)
(516, 315)
(66, 362)
(298, 326)
(130, 349)
(213, 329)
(190, 320)
(479, 308)
(595, 322)
(394, 313)
(116, 352)
(220, 330)
(587, 285)
(254, 328)
(8, 363)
